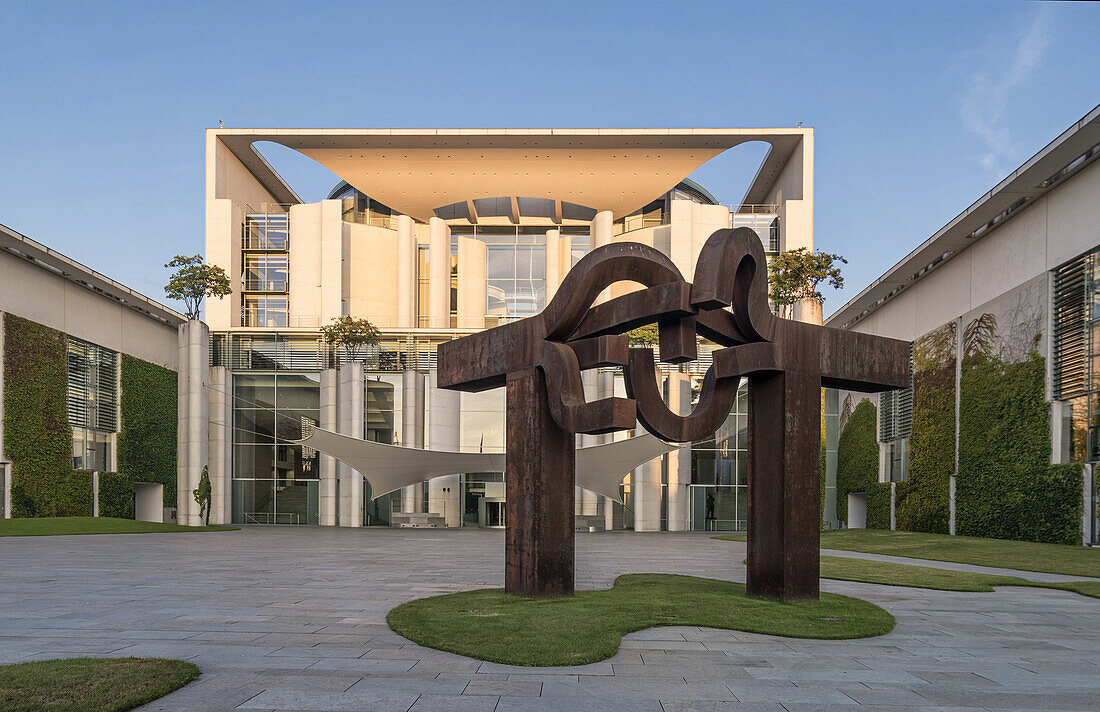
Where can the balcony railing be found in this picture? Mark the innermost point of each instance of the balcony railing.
(367, 217)
(266, 286)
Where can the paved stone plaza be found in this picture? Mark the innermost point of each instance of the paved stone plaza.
(294, 619)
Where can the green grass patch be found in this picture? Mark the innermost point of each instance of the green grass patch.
(891, 574)
(1000, 553)
(47, 526)
(90, 684)
(489, 624)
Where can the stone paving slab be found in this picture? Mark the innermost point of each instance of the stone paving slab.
(293, 619)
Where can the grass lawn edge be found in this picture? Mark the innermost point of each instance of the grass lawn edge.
(489, 625)
(91, 684)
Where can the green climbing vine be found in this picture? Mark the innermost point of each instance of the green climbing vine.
(857, 466)
(147, 439)
(37, 436)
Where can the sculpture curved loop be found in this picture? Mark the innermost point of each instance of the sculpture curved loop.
(732, 271)
(715, 401)
(565, 396)
(599, 269)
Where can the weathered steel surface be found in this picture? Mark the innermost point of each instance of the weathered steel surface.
(540, 359)
(538, 481)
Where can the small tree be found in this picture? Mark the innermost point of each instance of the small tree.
(202, 496)
(193, 280)
(351, 334)
(647, 335)
(794, 275)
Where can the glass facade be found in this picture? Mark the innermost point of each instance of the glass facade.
(274, 482)
(718, 498)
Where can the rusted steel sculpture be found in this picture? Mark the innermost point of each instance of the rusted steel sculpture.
(539, 360)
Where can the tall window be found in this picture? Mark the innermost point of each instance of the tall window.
(265, 241)
(274, 480)
(93, 403)
(895, 417)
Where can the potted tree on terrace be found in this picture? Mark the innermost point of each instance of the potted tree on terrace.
(793, 278)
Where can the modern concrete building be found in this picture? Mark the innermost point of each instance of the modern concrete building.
(69, 340)
(431, 235)
(1009, 287)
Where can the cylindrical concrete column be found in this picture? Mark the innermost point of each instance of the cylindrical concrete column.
(329, 499)
(349, 412)
(553, 263)
(444, 421)
(439, 274)
(193, 412)
(602, 225)
(647, 486)
(406, 272)
(808, 311)
(412, 432)
(471, 283)
(221, 445)
(679, 461)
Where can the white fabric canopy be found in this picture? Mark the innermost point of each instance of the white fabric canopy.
(600, 468)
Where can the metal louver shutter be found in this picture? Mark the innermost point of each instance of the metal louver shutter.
(895, 413)
(79, 393)
(1070, 305)
(93, 386)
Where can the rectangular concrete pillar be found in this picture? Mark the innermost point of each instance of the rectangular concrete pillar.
(327, 474)
(539, 538)
(193, 413)
(439, 274)
(444, 422)
(406, 272)
(350, 415)
(221, 445)
(412, 432)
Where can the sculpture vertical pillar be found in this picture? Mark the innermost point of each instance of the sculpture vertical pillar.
(784, 485)
(539, 541)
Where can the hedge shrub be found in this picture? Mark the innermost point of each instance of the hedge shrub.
(37, 435)
(116, 495)
(147, 438)
(857, 467)
(53, 494)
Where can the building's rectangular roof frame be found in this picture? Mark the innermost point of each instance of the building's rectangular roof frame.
(1028, 182)
(72, 271)
(417, 170)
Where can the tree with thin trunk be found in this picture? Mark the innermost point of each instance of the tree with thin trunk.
(193, 280)
(351, 334)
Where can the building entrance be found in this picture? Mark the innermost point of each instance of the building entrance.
(483, 500)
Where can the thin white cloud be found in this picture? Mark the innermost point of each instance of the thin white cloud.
(986, 99)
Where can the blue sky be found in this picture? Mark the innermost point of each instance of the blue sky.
(919, 107)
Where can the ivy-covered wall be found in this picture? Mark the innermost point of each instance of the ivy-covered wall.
(37, 436)
(147, 439)
(116, 495)
(1006, 487)
(923, 501)
(857, 466)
